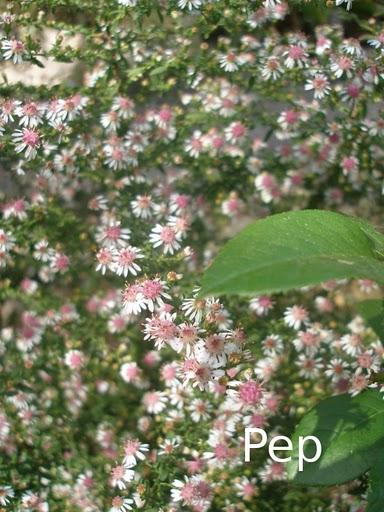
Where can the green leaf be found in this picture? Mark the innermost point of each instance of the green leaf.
(376, 491)
(377, 241)
(350, 429)
(37, 62)
(295, 249)
(160, 70)
(137, 72)
(372, 311)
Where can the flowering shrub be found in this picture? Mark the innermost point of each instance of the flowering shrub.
(136, 138)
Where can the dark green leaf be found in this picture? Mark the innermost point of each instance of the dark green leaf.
(295, 249)
(377, 241)
(376, 491)
(37, 62)
(373, 313)
(350, 429)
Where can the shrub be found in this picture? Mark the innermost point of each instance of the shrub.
(136, 137)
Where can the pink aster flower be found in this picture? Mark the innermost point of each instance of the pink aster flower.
(120, 476)
(30, 114)
(165, 236)
(120, 504)
(131, 373)
(142, 206)
(295, 56)
(14, 50)
(124, 261)
(296, 316)
(27, 140)
(133, 300)
(200, 374)
(273, 471)
(59, 262)
(246, 488)
(235, 132)
(154, 401)
(350, 165)
(185, 491)
(154, 291)
(74, 359)
(342, 65)
(105, 258)
(194, 146)
(6, 494)
(7, 241)
(229, 62)
(271, 69)
(272, 344)
(319, 84)
(161, 329)
(133, 451)
(261, 305)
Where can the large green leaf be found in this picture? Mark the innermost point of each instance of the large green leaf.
(372, 310)
(351, 431)
(295, 249)
(376, 491)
